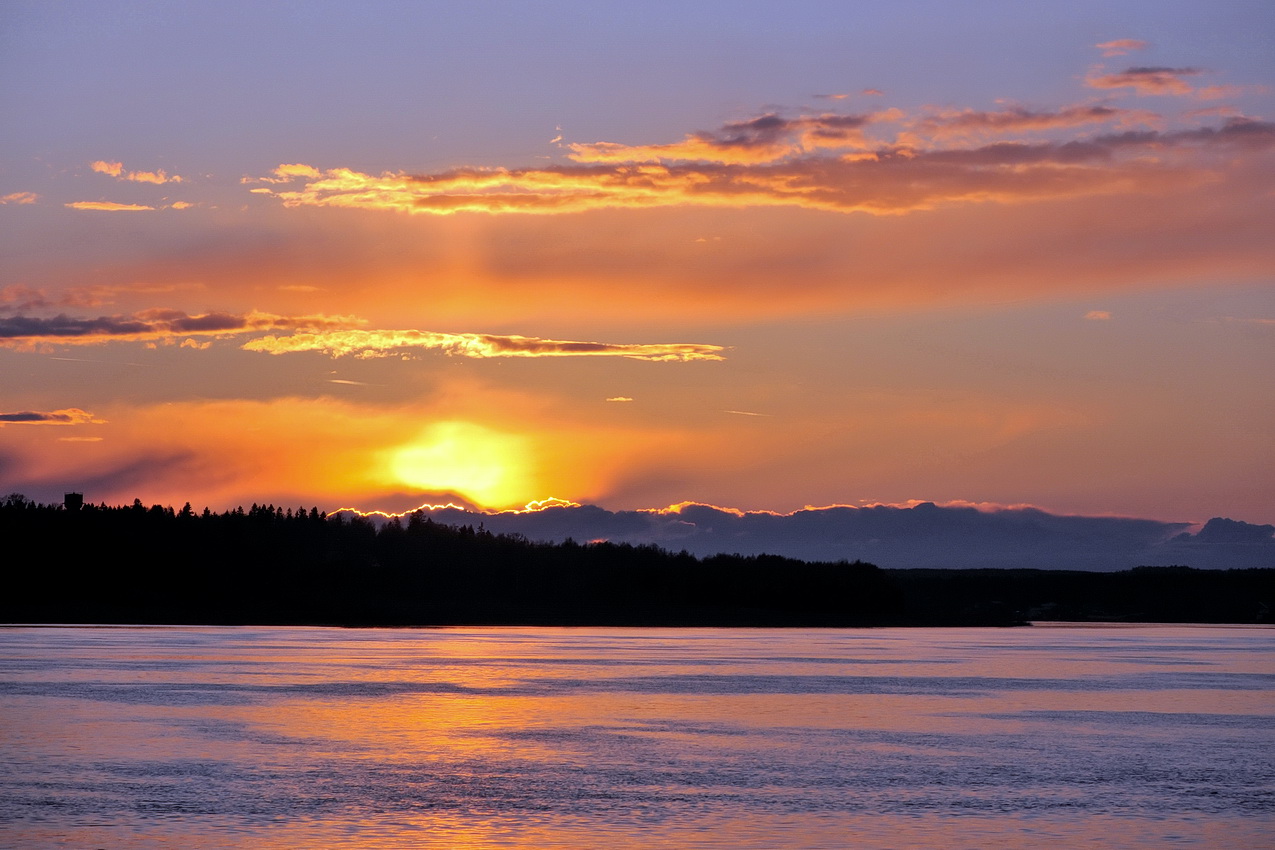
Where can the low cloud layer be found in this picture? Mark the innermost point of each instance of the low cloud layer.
(881, 162)
(788, 169)
(923, 535)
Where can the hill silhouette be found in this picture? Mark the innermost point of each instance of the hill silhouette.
(274, 565)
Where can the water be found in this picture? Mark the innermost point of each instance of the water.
(1111, 737)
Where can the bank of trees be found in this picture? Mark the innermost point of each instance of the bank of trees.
(276, 565)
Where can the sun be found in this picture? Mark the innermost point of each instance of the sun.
(487, 467)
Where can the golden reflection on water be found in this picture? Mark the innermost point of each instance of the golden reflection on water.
(557, 738)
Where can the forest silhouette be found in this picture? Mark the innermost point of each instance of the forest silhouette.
(270, 565)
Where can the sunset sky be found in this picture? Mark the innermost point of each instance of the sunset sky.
(753, 255)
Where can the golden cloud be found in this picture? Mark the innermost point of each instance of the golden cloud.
(385, 343)
(19, 198)
(891, 179)
(101, 166)
(116, 170)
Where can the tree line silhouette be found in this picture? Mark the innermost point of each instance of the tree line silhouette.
(275, 565)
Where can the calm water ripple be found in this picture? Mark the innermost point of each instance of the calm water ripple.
(558, 738)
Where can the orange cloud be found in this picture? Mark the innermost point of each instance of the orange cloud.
(67, 416)
(385, 343)
(19, 198)
(107, 206)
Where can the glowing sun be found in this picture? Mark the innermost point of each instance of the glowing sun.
(484, 466)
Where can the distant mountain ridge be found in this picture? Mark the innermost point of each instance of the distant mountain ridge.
(922, 536)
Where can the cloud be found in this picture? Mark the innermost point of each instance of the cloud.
(1121, 46)
(384, 343)
(116, 170)
(336, 336)
(107, 206)
(1098, 315)
(971, 122)
(67, 416)
(19, 198)
(619, 398)
(890, 179)
(159, 323)
(920, 535)
(101, 166)
(765, 138)
(19, 297)
(1148, 80)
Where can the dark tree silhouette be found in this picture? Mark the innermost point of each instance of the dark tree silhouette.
(272, 565)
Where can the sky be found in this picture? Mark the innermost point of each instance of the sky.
(756, 256)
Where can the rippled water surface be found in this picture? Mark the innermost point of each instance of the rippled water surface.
(1143, 737)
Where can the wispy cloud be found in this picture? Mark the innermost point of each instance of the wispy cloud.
(19, 198)
(765, 138)
(970, 122)
(66, 416)
(1148, 80)
(20, 297)
(108, 206)
(1098, 315)
(1121, 46)
(385, 343)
